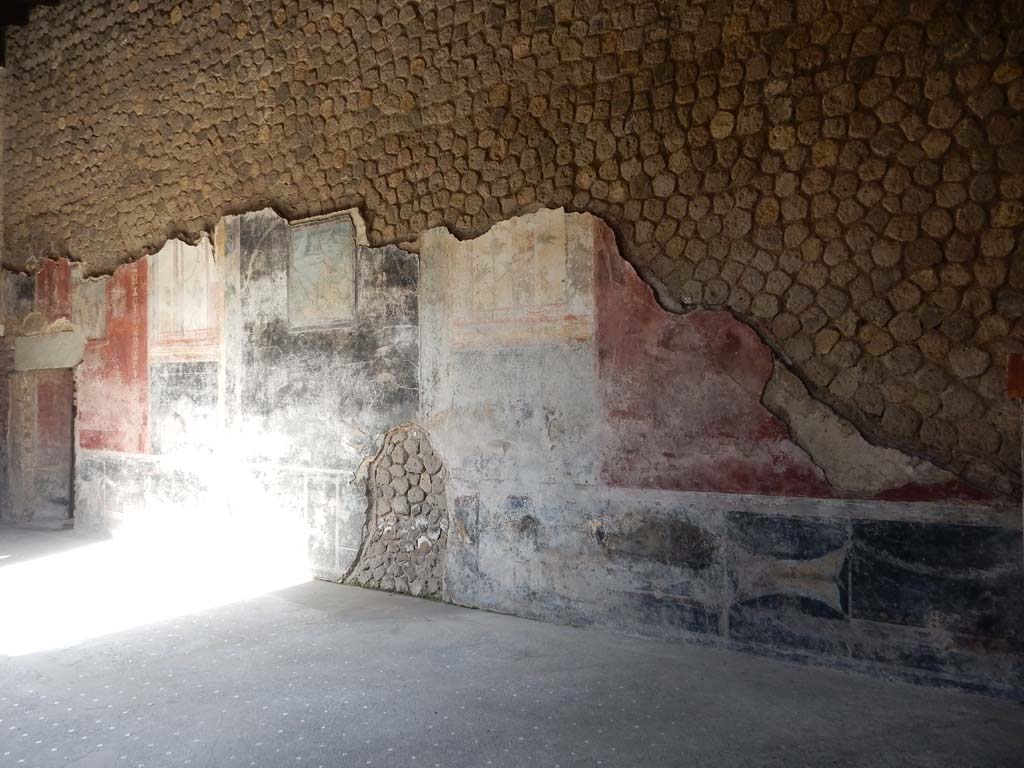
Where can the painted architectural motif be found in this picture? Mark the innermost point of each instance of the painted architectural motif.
(322, 273)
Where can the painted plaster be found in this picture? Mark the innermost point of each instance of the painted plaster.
(40, 447)
(53, 289)
(113, 379)
(246, 416)
(608, 462)
(661, 474)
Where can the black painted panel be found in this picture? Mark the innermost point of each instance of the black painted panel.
(786, 537)
(963, 579)
(660, 539)
(661, 612)
(791, 562)
(790, 623)
(326, 392)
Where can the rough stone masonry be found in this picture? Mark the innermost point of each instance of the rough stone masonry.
(407, 526)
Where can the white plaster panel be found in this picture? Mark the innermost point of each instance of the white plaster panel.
(51, 350)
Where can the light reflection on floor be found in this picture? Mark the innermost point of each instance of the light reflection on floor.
(140, 577)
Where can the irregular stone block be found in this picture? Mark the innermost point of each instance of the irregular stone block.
(392, 536)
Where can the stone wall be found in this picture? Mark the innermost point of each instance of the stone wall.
(406, 535)
(846, 176)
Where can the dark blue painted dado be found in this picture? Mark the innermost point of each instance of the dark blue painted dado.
(936, 601)
(966, 580)
(789, 581)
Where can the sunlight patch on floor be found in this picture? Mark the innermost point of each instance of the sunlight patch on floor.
(142, 576)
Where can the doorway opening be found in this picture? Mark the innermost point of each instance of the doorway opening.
(41, 439)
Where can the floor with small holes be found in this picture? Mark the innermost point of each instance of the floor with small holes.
(324, 675)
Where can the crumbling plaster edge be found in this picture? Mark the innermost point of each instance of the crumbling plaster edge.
(781, 361)
(360, 478)
(660, 295)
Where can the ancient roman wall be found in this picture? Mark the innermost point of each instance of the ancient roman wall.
(750, 389)
(844, 175)
(16, 298)
(3, 165)
(615, 463)
(513, 422)
(6, 367)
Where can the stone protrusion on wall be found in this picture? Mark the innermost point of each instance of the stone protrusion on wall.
(406, 536)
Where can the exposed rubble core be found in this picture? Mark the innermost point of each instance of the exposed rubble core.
(406, 536)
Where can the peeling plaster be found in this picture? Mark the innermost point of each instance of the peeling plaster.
(857, 467)
(850, 463)
(747, 511)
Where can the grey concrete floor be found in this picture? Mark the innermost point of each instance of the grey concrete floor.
(325, 675)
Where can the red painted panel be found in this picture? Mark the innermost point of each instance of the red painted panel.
(54, 397)
(1015, 376)
(682, 396)
(113, 379)
(953, 490)
(53, 289)
(682, 400)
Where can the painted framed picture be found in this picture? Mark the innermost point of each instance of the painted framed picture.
(322, 273)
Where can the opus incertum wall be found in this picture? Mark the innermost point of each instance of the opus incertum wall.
(512, 422)
(405, 541)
